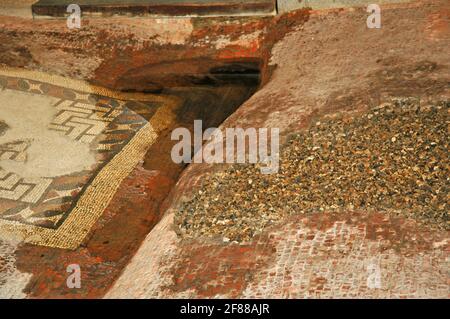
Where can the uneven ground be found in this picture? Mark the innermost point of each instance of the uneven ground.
(160, 7)
(323, 63)
(393, 158)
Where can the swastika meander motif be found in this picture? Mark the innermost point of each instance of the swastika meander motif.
(81, 121)
(40, 203)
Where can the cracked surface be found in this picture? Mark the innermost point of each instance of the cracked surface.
(324, 62)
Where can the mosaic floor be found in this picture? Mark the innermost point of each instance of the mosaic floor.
(65, 147)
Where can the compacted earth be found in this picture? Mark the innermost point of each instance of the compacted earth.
(362, 189)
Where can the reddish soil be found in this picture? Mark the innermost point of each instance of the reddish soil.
(355, 69)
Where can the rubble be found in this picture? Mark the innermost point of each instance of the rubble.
(392, 158)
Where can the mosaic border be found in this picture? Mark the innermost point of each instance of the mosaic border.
(103, 187)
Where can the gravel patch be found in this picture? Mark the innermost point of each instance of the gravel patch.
(392, 158)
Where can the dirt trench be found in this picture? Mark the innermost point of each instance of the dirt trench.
(209, 82)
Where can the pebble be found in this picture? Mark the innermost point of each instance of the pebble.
(346, 163)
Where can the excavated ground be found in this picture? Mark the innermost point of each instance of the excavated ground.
(323, 63)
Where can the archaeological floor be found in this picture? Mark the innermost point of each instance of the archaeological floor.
(86, 175)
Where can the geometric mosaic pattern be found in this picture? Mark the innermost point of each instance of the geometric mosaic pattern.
(81, 121)
(14, 151)
(28, 190)
(60, 210)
